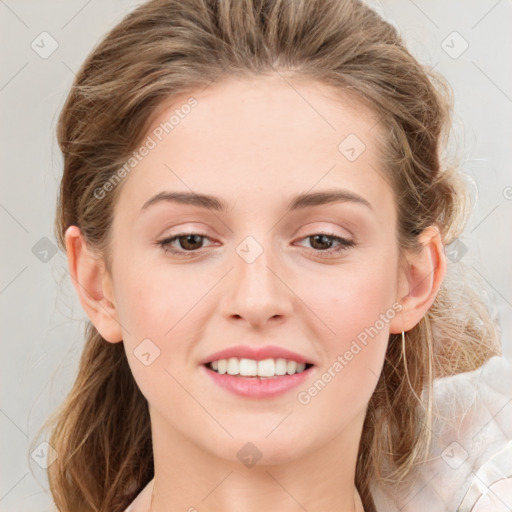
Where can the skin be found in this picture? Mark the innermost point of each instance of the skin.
(255, 144)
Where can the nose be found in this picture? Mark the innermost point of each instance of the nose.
(257, 292)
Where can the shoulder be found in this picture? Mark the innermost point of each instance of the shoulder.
(143, 500)
(471, 435)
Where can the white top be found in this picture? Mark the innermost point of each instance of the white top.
(470, 463)
(470, 460)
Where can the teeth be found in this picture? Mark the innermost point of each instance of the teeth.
(280, 367)
(247, 367)
(253, 368)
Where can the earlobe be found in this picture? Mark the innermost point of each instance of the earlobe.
(93, 285)
(422, 277)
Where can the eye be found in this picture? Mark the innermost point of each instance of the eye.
(193, 243)
(188, 242)
(324, 243)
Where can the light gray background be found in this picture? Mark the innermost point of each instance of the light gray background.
(41, 319)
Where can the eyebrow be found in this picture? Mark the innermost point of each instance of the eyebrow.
(299, 202)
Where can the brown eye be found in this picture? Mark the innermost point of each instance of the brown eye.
(186, 242)
(325, 243)
(190, 242)
(321, 242)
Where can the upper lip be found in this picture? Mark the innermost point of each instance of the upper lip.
(256, 353)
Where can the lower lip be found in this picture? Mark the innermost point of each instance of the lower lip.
(254, 387)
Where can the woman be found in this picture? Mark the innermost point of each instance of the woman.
(255, 213)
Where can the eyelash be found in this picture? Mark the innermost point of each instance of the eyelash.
(344, 244)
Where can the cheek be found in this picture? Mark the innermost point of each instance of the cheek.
(161, 310)
(355, 345)
(158, 300)
(356, 310)
(355, 297)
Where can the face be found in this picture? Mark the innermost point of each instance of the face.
(257, 267)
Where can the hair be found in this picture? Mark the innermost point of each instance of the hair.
(166, 48)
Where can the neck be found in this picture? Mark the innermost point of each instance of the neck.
(191, 478)
(351, 505)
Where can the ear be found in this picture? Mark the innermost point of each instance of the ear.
(420, 280)
(93, 284)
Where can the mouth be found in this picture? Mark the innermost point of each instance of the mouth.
(258, 379)
(257, 369)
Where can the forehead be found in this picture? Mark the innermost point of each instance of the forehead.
(267, 134)
(275, 110)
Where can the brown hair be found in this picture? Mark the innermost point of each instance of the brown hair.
(166, 48)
